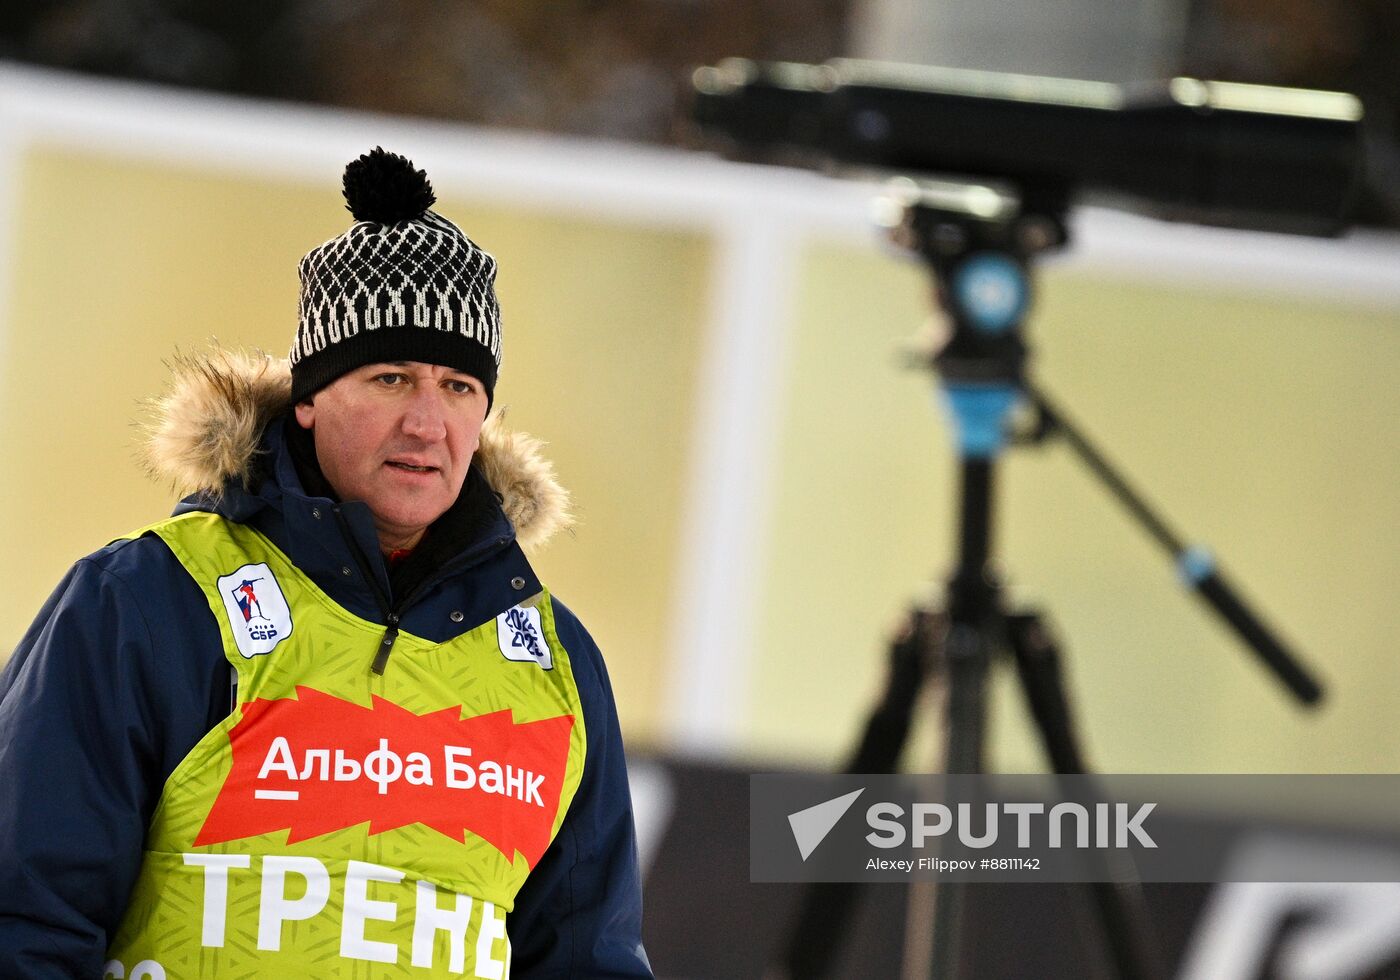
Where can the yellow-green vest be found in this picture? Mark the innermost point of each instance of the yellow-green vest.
(342, 823)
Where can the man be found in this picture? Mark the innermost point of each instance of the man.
(326, 721)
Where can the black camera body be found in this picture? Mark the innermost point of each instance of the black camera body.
(1244, 156)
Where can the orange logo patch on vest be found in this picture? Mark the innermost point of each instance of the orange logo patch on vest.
(315, 763)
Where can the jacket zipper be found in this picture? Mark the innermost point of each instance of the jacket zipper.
(386, 645)
(391, 616)
(390, 611)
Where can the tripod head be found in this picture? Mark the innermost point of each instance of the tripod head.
(979, 242)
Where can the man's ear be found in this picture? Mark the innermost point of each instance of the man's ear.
(306, 413)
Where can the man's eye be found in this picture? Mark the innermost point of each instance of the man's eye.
(461, 387)
(389, 379)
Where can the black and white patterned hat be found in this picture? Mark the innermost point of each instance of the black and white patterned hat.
(403, 284)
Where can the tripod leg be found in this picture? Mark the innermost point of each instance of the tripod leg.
(1042, 680)
(1119, 899)
(916, 654)
(828, 907)
(968, 657)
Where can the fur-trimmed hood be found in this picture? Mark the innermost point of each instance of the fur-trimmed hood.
(206, 430)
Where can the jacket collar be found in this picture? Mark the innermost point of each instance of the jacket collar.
(211, 435)
(335, 543)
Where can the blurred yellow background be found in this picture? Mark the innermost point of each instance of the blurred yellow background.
(1262, 423)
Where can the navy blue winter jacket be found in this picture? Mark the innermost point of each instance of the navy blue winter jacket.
(123, 672)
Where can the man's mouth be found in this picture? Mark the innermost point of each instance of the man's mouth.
(409, 467)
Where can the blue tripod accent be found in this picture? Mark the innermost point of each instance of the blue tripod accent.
(980, 412)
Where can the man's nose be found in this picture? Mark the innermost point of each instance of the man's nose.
(424, 418)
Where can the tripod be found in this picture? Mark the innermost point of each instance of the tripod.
(979, 245)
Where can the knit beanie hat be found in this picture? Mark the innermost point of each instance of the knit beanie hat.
(403, 284)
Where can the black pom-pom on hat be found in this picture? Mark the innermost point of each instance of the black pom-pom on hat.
(384, 187)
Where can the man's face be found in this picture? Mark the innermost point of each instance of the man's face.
(398, 436)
